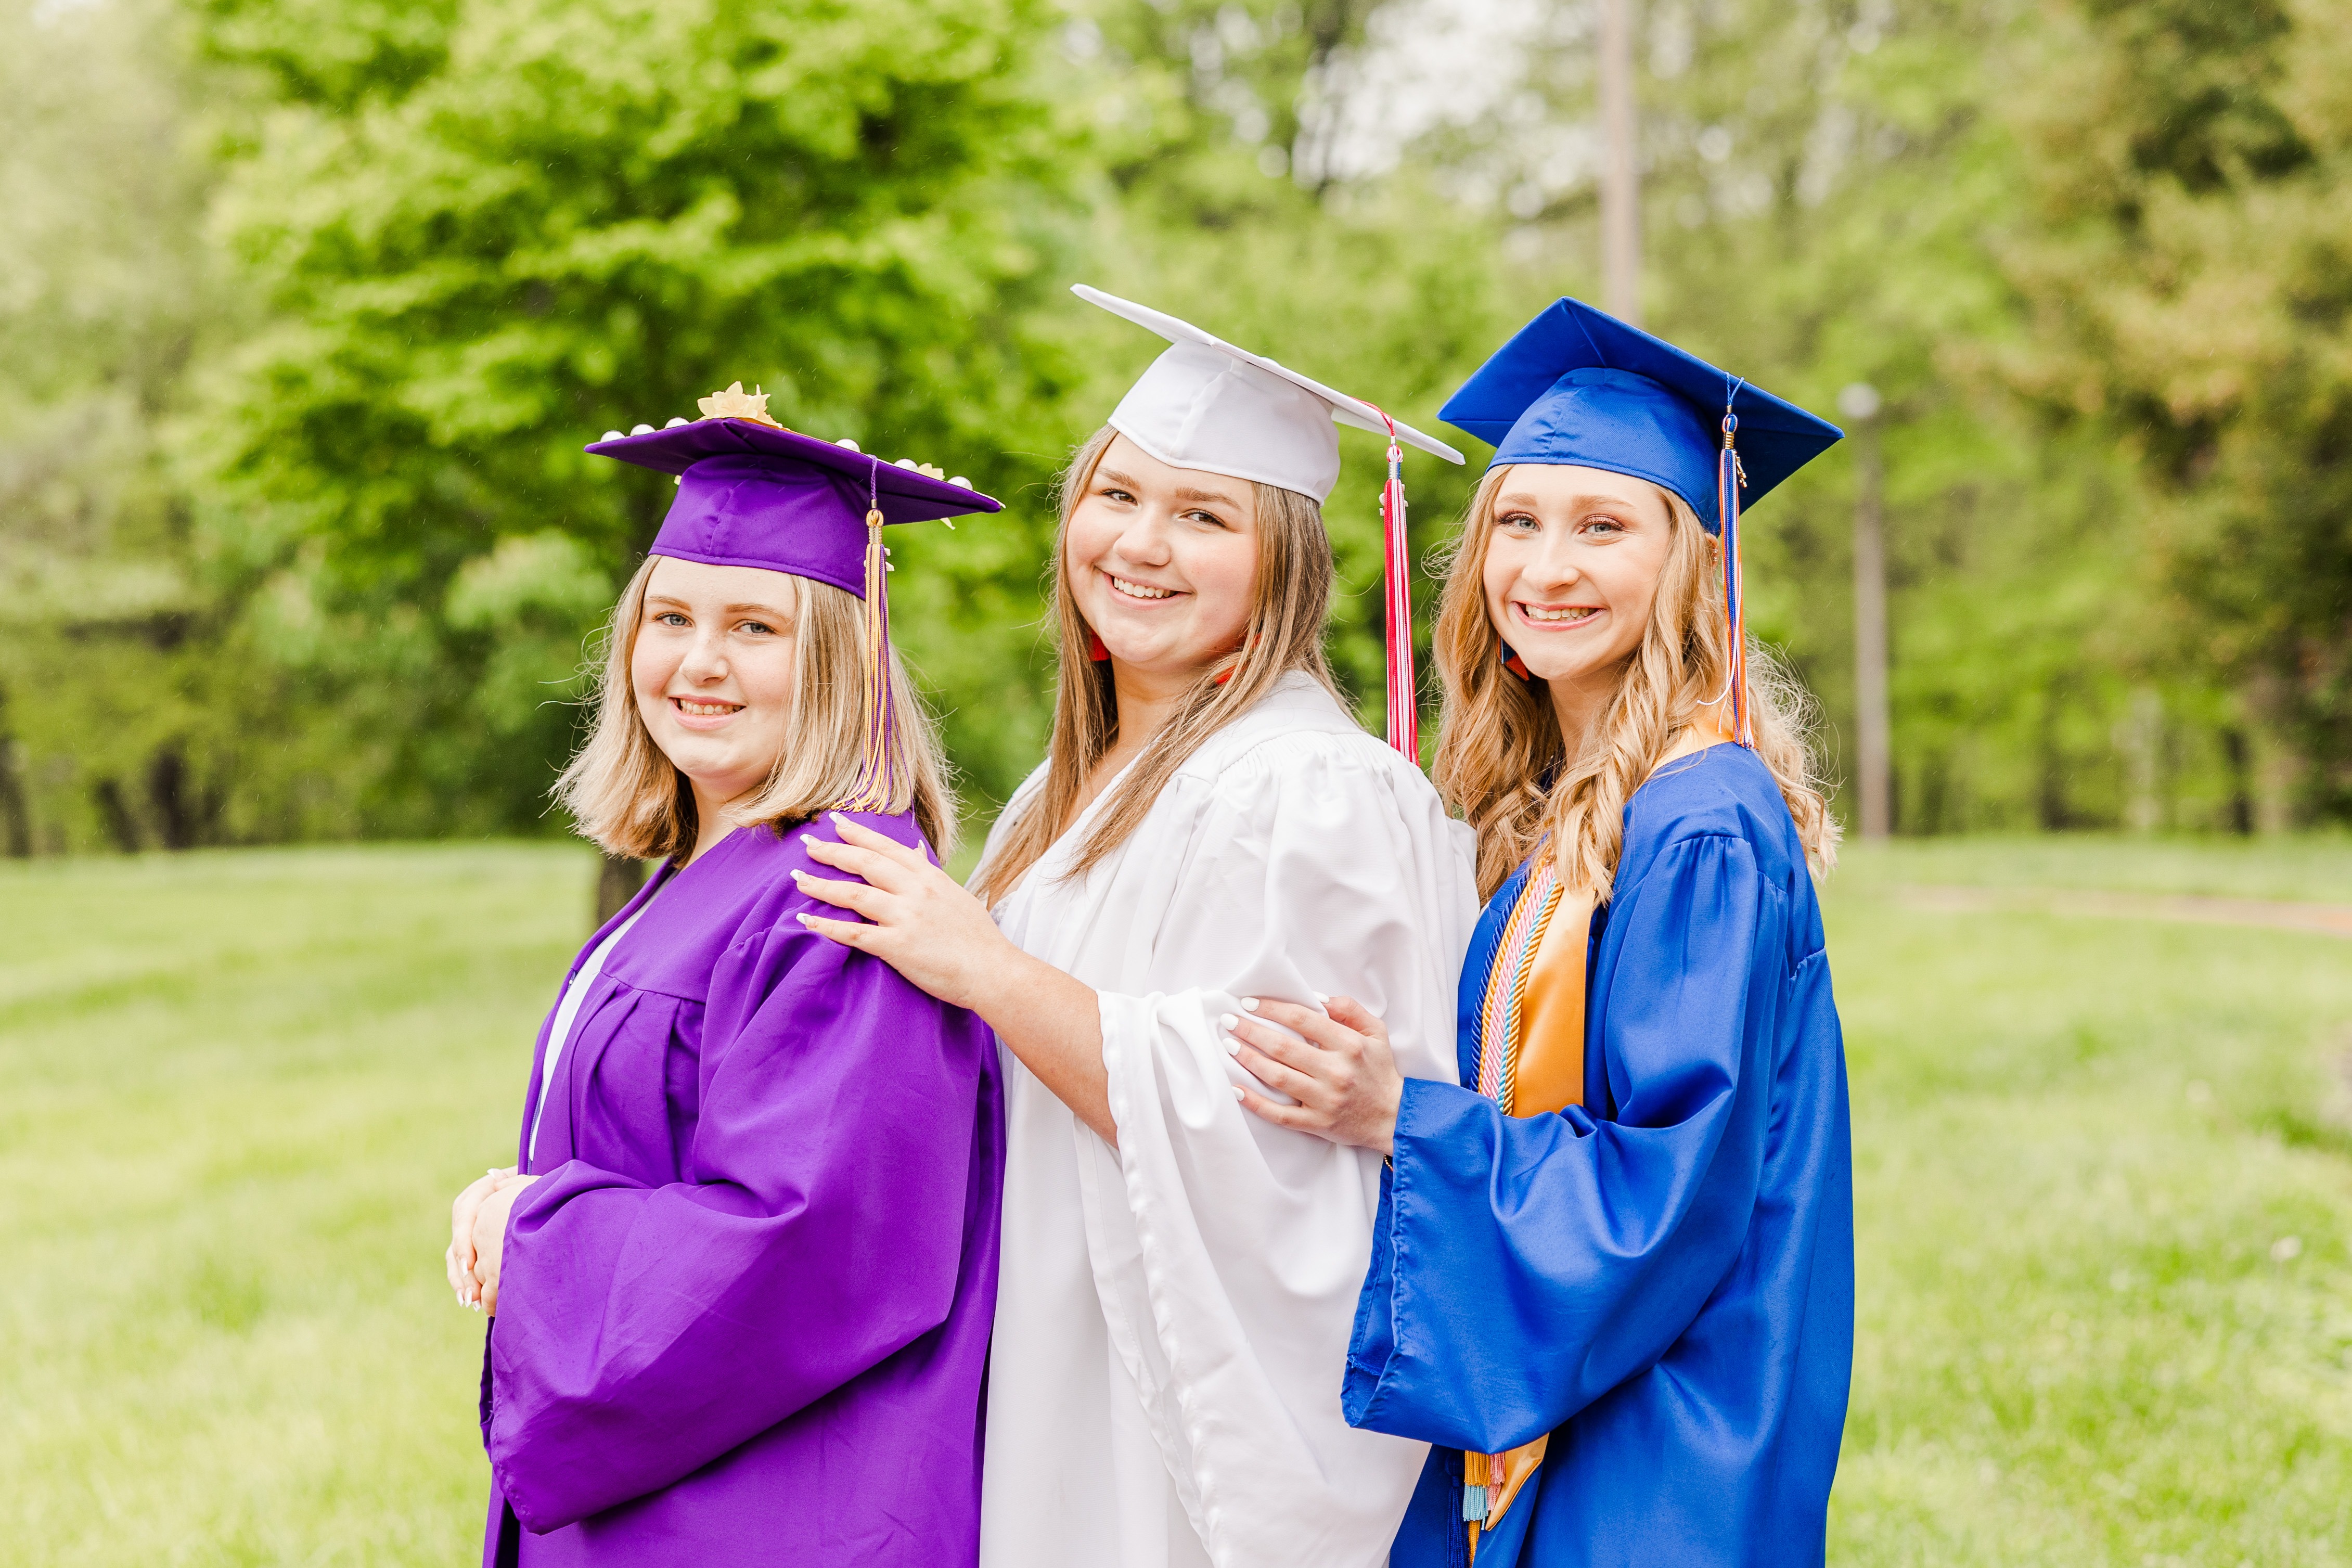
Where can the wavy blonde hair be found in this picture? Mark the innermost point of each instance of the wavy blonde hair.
(1290, 596)
(627, 796)
(1502, 763)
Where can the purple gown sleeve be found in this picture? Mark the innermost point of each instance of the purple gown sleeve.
(644, 1331)
(1523, 1266)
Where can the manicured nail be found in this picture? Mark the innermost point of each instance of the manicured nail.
(1227, 1020)
(1320, 997)
(799, 875)
(803, 919)
(841, 819)
(1239, 1093)
(1250, 1002)
(1232, 1046)
(809, 840)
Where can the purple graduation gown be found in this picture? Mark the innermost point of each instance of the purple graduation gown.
(743, 1315)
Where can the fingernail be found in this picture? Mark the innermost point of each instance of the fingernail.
(798, 874)
(1232, 1046)
(1227, 1020)
(838, 817)
(809, 840)
(1239, 1093)
(1250, 1002)
(803, 919)
(1320, 998)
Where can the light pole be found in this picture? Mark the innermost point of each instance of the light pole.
(1860, 404)
(1621, 174)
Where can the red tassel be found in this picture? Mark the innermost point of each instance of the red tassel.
(1404, 690)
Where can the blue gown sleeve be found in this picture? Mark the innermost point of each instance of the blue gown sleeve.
(1523, 1266)
(819, 1227)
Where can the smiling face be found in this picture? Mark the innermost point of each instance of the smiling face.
(1163, 563)
(1573, 566)
(713, 670)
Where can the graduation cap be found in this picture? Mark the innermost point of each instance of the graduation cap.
(1207, 404)
(1576, 385)
(753, 493)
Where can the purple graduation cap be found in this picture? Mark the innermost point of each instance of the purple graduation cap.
(753, 493)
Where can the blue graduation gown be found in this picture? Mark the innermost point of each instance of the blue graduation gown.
(1662, 1279)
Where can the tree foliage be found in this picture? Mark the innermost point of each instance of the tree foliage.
(310, 308)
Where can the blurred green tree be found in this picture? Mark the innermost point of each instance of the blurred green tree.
(127, 699)
(2190, 273)
(487, 232)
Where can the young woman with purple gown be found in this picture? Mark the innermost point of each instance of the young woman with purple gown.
(1612, 1278)
(742, 1277)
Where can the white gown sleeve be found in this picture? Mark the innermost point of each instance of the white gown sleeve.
(1228, 1252)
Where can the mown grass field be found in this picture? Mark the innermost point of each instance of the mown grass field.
(2104, 1170)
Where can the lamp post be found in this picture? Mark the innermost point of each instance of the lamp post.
(1860, 404)
(1621, 212)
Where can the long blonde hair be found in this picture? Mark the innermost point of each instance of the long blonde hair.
(628, 798)
(1290, 596)
(1501, 760)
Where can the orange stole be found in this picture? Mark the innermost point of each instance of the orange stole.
(1549, 1076)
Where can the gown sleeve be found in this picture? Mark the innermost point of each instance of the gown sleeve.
(1228, 1252)
(1526, 1266)
(817, 1228)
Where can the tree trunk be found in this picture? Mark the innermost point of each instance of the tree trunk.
(617, 882)
(1621, 170)
(1871, 724)
(16, 814)
(176, 812)
(2240, 759)
(120, 825)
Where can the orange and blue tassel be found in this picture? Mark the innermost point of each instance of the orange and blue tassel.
(1729, 477)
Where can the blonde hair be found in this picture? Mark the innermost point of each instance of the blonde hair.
(1290, 596)
(627, 796)
(1501, 760)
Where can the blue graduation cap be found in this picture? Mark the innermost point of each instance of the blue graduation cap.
(1576, 385)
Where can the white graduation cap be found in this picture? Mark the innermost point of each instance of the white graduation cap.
(1207, 404)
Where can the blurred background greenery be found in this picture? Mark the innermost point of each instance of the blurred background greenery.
(308, 305)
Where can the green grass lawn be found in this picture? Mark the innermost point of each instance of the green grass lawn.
(2104, 1171)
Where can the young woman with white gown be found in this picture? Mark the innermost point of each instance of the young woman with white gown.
(1179, 1279)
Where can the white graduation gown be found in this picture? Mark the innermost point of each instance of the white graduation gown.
(1173, 1316)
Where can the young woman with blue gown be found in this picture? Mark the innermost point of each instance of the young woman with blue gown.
(1612, 1274)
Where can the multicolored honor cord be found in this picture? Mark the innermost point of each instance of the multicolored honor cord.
(1396, 580)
